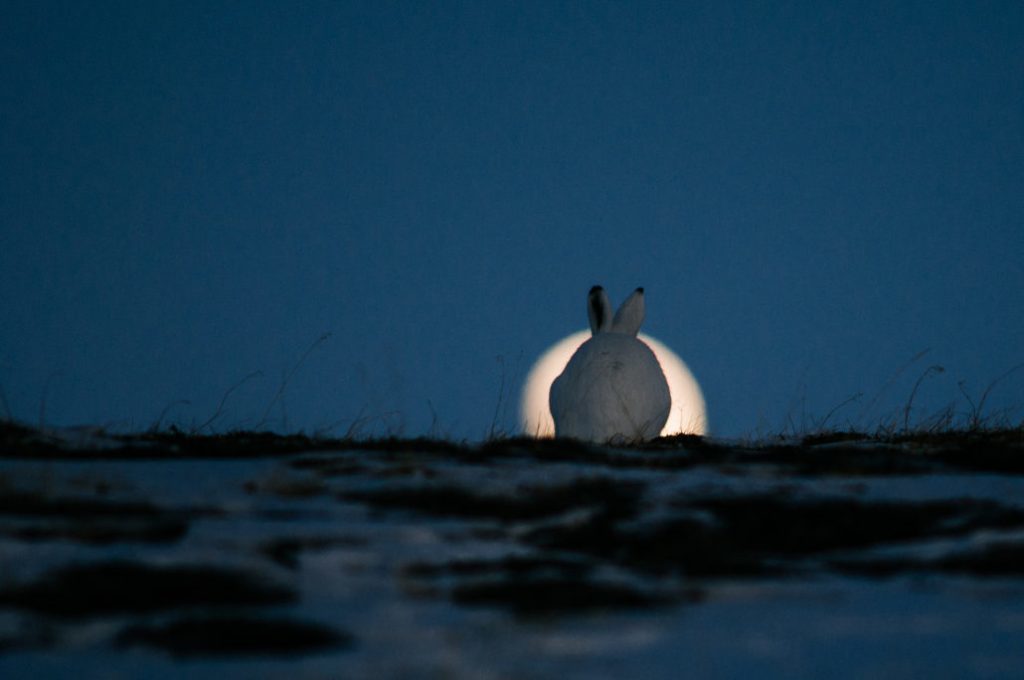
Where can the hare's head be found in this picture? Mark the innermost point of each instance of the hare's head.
(626, 321)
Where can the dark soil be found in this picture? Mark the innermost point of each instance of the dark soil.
(235, 636)
(766, 535)
(34, 516)
(122, 587)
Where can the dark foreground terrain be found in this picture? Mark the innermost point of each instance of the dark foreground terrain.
(257, 555)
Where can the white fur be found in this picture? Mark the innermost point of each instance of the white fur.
(613, 387)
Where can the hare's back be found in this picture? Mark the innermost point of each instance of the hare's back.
(612, 386)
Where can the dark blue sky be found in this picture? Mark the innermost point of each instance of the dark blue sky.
(811, 193)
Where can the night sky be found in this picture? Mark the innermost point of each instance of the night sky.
(812, 194)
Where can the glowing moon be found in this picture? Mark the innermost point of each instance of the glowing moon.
(688, 414)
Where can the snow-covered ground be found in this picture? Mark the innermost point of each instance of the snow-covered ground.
(501, 565)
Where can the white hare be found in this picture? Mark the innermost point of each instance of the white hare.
(613, 387)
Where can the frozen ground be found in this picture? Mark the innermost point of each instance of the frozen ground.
(265, 557)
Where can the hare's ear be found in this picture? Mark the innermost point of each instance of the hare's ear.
(599, 310)
(630, 315)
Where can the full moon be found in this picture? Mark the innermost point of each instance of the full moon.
(688, 414)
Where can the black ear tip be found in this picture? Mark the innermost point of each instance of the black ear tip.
(640, 290)
(596, 289)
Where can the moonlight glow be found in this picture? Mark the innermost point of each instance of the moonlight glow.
(688, 413)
